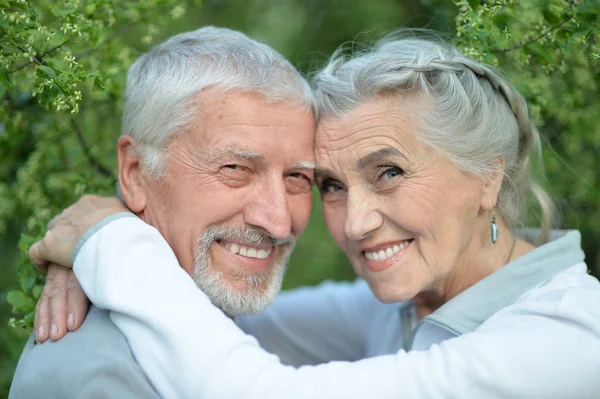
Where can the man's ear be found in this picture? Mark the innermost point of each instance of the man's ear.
(492, 185)
(131, 176)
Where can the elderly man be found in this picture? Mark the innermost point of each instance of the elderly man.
(216, 154)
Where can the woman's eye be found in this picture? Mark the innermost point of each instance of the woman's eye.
(330, 186)
(390, 172)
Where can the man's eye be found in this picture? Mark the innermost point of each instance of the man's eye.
(389, 172)
(235, 175)
(298, 183)
(300, 176)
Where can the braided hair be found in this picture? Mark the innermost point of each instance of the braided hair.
(474, 114)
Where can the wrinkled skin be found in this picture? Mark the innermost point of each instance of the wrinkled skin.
(243, 164)
(384, 190)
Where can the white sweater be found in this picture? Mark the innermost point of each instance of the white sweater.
(530, 330)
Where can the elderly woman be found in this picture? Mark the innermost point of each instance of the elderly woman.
(422, 164)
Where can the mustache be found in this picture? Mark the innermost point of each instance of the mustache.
(247, 235)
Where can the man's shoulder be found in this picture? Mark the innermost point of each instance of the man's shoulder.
(95, 357)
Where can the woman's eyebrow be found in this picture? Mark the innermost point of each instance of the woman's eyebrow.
(376, 155)
(324, 173)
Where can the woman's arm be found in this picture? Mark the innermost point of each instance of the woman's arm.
(188, 348)
(312, 325)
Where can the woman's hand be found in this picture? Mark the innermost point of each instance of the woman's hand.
(62, 307)
(65, 230)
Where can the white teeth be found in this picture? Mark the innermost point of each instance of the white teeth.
(249, 252)
(261, 254)
(387, 253)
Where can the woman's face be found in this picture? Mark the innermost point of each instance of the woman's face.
(404, 214)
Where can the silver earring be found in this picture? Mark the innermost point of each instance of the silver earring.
(494, 228)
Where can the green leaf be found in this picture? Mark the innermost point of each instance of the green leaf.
(551, 13)
(20, 301)
(474, 4)
(49, 72)
(55, 64)
(98, 84)
(28, 319)
(28, 282)
(90, 8)
(13, 4)
(97, 35)
(37, 291)
(58, 38)
(58, 10)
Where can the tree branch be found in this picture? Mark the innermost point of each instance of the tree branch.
(105, 41)
(535, 39)
(38, 59)
(86, 149)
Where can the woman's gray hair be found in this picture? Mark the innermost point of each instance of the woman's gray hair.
(474, 114)
(161, 85)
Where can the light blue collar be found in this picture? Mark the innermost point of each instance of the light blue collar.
(468, 310)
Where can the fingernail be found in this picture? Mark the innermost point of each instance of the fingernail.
(40, 334)
(70, 320)
(53, 331)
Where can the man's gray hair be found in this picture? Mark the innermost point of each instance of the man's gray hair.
(473, 115)
(162, 83)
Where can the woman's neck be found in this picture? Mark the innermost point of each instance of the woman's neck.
(481, 259)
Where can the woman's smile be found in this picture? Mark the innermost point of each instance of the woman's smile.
(383, 256)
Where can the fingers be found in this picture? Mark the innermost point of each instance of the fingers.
(51, 310)
(52, 223)
(41, 320)
(37, 254)
(77, 303)
(56, 247)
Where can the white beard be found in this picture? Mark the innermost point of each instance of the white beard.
(260, 288)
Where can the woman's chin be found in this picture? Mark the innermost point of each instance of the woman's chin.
(391, 293)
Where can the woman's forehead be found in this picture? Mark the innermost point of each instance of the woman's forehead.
(381, 123)
(386, 111)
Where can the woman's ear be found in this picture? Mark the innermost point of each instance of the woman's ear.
(492, 186)
(131, 176)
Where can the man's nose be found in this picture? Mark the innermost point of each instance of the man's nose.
(269, 209)
(362, 216)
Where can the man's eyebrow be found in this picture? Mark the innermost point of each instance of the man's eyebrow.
(240, 153)
(303, 165)
(369, 158)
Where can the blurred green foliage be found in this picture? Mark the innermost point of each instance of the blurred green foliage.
(63, 68)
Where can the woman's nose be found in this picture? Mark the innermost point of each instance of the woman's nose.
(362, 216)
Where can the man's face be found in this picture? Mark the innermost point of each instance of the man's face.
(235, 196)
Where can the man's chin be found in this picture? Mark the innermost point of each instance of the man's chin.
(240, 293)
